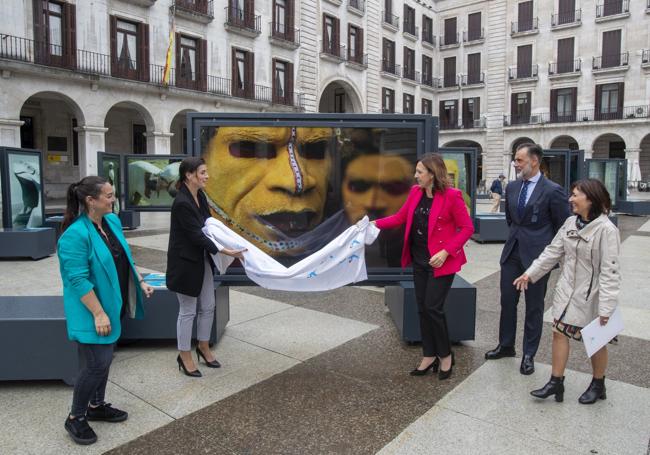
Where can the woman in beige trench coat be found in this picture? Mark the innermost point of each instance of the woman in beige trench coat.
(589, 244)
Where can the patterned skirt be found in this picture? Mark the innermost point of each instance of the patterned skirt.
(568, 330)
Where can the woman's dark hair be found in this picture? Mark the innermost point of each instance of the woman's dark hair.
(597, 194)
(76, 197)
(189, 164)
(436, 166)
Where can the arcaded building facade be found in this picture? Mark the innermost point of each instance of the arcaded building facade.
(80, 77)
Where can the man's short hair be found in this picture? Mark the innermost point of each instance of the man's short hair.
(532, 149)
(501, 176)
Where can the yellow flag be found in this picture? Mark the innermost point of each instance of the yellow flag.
(168, 58)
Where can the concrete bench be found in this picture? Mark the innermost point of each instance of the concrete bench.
(34, 341)
(460, 309)
(35, 243)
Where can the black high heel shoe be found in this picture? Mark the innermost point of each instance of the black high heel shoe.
(555, 386)
(213, 364)
(445, 374)
(432, 366)
(181, 365)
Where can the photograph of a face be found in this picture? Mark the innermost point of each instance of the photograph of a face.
(110, 169)
(25, 189)
(151, 181)
(290, 190)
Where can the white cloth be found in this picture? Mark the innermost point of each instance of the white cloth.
(340, 262)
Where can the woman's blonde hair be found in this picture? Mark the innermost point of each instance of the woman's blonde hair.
(436, 166)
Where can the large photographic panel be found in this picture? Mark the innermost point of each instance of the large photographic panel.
(110, 167)
(290, 187)
(461, 170)
(613, 174)
(25, 184)
(151, 181)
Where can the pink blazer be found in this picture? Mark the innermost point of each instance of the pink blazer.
(450, 227)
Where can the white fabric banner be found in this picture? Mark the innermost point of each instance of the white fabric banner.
(340, 262)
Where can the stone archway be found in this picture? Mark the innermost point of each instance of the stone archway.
(340, 96)
(178, 128)
(50, 124)
(128, 124)
(564, 142)
(517, 142)
(609, 145)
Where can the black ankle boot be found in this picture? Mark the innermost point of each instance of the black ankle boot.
(553, 387)
(595, 391)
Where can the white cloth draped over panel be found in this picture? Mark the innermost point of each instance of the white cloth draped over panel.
(340, 262)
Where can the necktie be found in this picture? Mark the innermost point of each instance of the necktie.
(521, 203)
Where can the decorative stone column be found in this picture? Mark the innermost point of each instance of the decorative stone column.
(159, 143)
(92, 139)
(10, 132)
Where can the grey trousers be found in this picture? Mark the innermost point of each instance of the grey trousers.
(187, 311)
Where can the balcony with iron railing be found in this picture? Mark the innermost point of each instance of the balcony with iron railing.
(96, 64)
(647, 7)
(568, 67)
(357, 59)
(357, 7)
(472, 79)
(611, 62)
(409, 75)
(390, 21)
(197, 10)
(613, 9)
(145, 3)
(645, 57)
(428, 38)
(283, 35)
(566, 19)
(428, 81)
(523, 73)
(449, 41)
(580, 116)
(242, 22)
(389, 68)
(473, 36)
(528, 27)
(451, 81)
(410, 31)
(333, 51)
(450, 124)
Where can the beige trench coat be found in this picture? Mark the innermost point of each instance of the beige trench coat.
(590, 279)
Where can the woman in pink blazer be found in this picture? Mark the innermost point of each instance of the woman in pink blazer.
(437, 227)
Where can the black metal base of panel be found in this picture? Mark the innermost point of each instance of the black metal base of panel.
(634, 207)
(460, 309)
(490, 227)
(35, 243)
(130, 219)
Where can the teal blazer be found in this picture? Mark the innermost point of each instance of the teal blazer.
(86, 264)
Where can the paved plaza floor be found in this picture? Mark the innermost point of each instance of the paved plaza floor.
(326, 373)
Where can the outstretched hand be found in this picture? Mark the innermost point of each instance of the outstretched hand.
(233, 253)
(521, 283)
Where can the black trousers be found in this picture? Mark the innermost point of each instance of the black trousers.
(511, 269)
(90, 385)
(430, 294)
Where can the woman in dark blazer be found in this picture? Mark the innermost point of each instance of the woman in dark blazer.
(190, 270)
(437, 227)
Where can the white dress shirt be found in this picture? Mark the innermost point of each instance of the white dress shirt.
(531, 186)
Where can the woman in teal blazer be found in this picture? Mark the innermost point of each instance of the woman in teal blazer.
(100, 285)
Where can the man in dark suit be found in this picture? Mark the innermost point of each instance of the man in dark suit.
(536, 208)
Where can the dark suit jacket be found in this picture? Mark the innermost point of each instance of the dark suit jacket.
(187, 243)
(545, 213)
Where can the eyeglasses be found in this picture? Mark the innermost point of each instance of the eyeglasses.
(392, 187)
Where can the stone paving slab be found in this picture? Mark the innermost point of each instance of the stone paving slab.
(495, 412)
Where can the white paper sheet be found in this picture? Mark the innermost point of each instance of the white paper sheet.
(595, 336)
